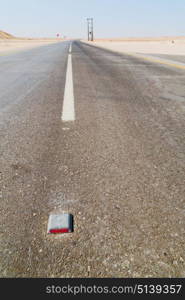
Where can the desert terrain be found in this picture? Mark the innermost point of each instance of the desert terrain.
(162, 45)
(11, 44)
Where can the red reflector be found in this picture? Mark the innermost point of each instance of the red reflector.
(62, 230)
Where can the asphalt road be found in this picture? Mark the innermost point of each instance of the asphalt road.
(119, 167)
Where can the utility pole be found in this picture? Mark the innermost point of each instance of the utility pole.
(90, 29)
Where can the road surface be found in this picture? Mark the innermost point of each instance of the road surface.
(117, 163)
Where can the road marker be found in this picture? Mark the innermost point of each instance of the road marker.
(62, 223)
(68, 113)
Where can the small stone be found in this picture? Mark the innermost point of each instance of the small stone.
(136, 275)
(65, 128)
(175, 262)
(181, 259)
(125, 264)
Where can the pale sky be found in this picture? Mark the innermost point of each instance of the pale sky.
(112, 18)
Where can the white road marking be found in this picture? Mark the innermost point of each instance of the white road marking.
(70, 48)
(68, 113)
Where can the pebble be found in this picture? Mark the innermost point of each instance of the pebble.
(125, 264)
(181, 259)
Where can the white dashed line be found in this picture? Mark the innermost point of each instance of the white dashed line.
(68, 113)
(70, 49)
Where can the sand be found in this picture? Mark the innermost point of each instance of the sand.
(15, 45)
(170, 46)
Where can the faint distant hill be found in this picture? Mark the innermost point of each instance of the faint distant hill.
(5, 35)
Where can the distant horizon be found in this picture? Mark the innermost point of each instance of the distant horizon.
(95, 38)
(102, 37)
(113, 38)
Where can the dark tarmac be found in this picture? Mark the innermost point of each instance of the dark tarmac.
(119, 168)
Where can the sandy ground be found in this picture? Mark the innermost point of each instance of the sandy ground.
(14, 45)
(161, 46)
